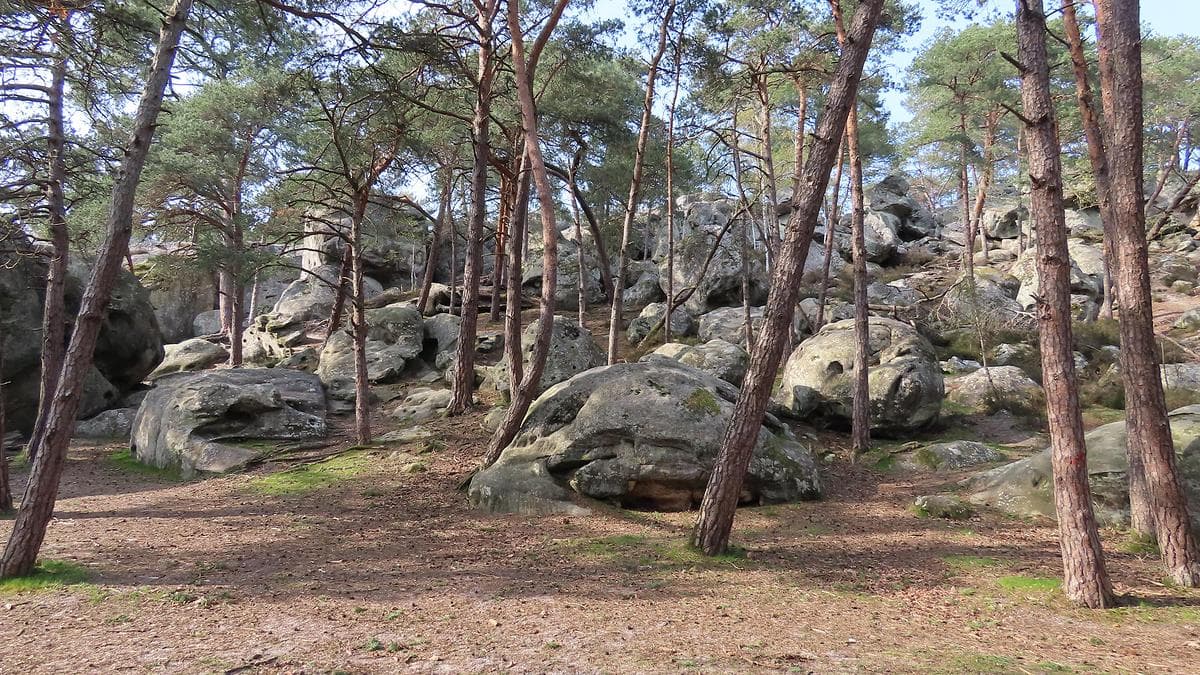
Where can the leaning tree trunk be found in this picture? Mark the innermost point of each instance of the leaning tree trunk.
(635, 187)
(523, 393)
(860, 425)
(1086, 579)
(711, 534)
(29, 530)
(54, 309)
(439, 233)
(463, 385)
(1145, 405)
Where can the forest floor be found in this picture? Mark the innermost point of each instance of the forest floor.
(371, 561)
(365, 563)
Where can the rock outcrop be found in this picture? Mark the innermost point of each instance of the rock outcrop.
(1025, 487)
(904, 376)
(200, 422)
(642, 435)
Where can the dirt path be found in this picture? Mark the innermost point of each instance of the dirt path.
(381, 569)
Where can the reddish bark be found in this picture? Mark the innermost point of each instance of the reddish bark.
(1085, 577)
(711, 534)
(1145, 405)
(29, 530)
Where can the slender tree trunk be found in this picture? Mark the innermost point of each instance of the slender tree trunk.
(237, 313)
(984, 181)
(507, 189)
(1167, 163)
(964, 189)
(439, 234)
(711, 534)
(29, 530)
(463, 385)
(1086, 579)
(512, 310)
(1145, 406)
(860, 424)
(582, 285)
(635, 186)
(770, 220)
(6, 495)
(801, 121)
(358, 324)
(831, 219)
(523, 393)
(54, 308)
(344, 288)
(670, 168)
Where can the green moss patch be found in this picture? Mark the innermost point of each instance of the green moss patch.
(47, 574)
(642, 552)
(310, 477)
(127, 463)
(702, 402)
(1024, 584)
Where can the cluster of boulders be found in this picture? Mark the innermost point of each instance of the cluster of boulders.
(642, 434)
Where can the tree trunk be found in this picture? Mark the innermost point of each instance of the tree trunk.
(801, 121)
(711, 534)
(582, 285)
(670, 168)
(343, 289)
(964, 189)
(635, 187)
(439, 233)
(54, 307)
(523, 393)
(512, 309)
(983, 182)
(1086, 579)
(463, 386)
(1141, 515)
(6, 495)
(770, 220)
(29, 530)
(1145, 406)
(860, 424)
(358, 323)
(831, 219)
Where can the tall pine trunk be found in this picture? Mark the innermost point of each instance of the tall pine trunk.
(37, 507)
(635, 188)
(523, 392)
(831, 219)
(358, 323)
(711, 534)
(54, 307)
(1085, 577)
(1145, 405)
(463, 385)
(860, 415)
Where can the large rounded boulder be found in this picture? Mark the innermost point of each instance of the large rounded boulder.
(573, 350)
(641, 435)
(128, 348)
(200, 422)
(904, 377)
(1026, 487)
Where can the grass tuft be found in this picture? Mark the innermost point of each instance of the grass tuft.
(47, 574)
(1023, 584)
(310, 477)
(126, 462)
